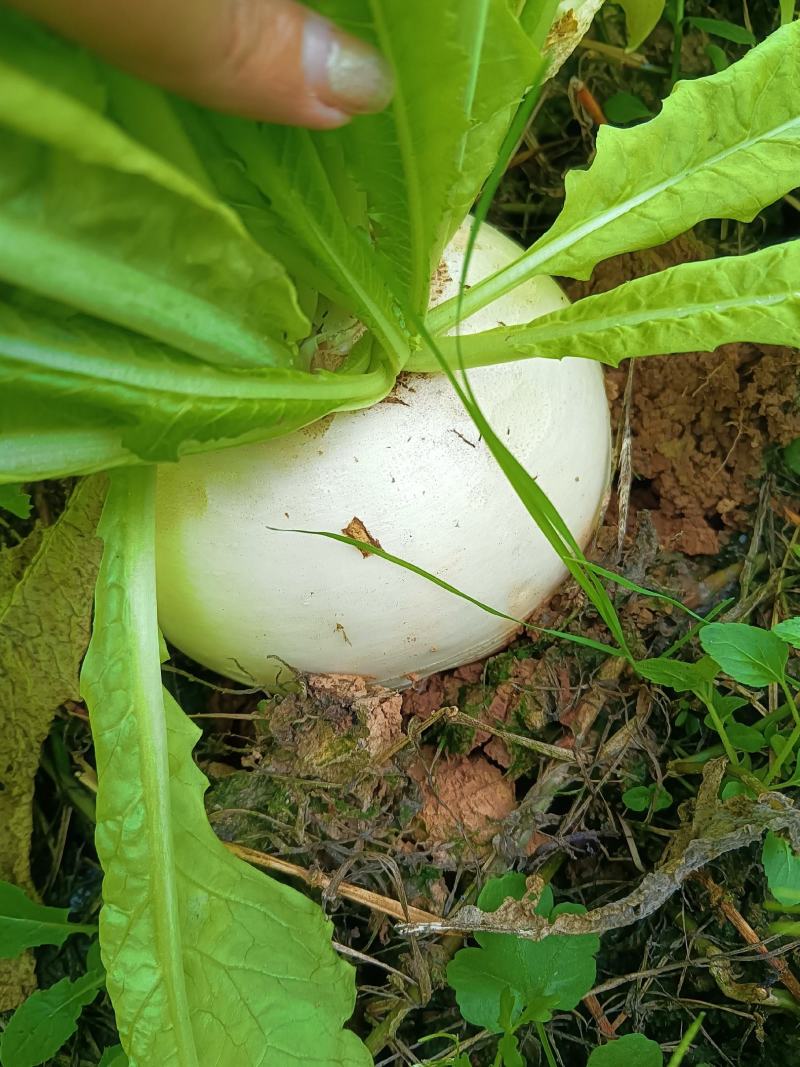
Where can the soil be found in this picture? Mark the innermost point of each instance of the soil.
(702, 424)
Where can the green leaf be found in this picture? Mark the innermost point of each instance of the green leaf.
(113, 1057)
(640, 797)
(782, 868)
(745, 738)
(421, 164)
(682, 677)
(787, 10)
(26, 924)
(734, 148)
(540, 977)
(45, 615)
(641, 18)
(301, 219)
(791, 456)
(512, 976)
(632, 1050)
(637, 798)
(719, 60)
(687, 308)
(375, 550)
(512, 885)
(748, 654)
(41, 1025)
(77, 394)
(727, 704)
(788, 631)
(621, 108)
(92, 219)
(207, 960)
(728, 31)
(508, 1048)
(15, 500)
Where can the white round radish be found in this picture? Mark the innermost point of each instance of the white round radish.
(239, 597)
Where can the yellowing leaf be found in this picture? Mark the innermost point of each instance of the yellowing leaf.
(45, 612)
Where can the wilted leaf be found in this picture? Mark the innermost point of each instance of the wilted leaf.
(44, 631)
(573, 19)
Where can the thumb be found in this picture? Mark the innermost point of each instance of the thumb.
(272, 60)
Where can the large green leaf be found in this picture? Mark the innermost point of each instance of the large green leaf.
(302, 220)
(116, 395)
(207, 960)
(722, 147)
(91, 218)
(687, 308)
(460, 72)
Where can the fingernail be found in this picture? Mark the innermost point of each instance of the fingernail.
(345, 73)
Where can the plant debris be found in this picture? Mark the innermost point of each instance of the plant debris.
(711, 829)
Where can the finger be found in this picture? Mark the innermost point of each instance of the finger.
(266, 59)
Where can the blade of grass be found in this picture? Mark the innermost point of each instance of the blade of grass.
(374, 550)
(626, 583)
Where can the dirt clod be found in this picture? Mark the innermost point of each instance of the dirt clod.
(465, 796)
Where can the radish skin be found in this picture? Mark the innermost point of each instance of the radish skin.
(243, 599)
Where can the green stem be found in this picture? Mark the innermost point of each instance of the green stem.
(786, 928)
(784, 909)
(545, 1043)
(677, 44)
(676, 1059)
(793, 739)
(730, 752)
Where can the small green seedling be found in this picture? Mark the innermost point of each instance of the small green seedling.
(509, 982)
(647, 797)
(632, 1050)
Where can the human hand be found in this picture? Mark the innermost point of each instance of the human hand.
(273, 60)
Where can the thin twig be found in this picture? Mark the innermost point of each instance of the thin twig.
(374, 901)
(453, 715)
(721, 900)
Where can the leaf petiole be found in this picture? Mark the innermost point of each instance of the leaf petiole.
(547, 1048)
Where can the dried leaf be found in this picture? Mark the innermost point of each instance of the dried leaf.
(358, 531)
